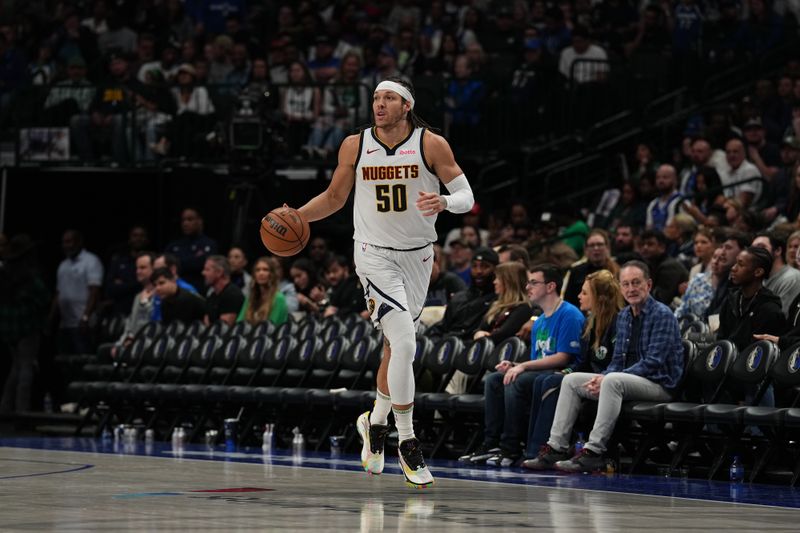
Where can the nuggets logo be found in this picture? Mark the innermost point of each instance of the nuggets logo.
(371, 305)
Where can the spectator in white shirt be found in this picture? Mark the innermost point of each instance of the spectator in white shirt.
(583, 49)
(738, 170)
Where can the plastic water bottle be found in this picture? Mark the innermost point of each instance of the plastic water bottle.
(579, 444)
(48, 403)
(266, 438)
(737, 470)
(298, 442)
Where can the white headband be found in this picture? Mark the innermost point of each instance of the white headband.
(396, 87)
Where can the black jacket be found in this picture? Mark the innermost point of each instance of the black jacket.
(792, 336)
(464, 313)
(738, 322)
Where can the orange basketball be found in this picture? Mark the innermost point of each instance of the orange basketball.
(284, 231)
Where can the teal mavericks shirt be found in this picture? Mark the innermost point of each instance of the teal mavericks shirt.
(560, 332)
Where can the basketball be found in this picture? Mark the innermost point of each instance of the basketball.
(284, 231)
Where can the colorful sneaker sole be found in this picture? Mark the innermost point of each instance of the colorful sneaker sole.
(372, 463)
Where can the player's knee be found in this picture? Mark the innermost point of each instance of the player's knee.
(398, 328)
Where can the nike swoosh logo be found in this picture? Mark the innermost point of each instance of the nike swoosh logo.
(424, 260)
(370, 151)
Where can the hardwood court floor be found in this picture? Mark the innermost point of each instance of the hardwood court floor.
(89, 485)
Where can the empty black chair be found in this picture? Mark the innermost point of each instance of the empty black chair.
(423, 350)
(275, 361)
(196, 329)
(287, 329)
(241, 329)
(359, 329)
(333, 328)
(263, 329)
(251, 360)
(747, 376)
(227, 358)
(359, 365)
(508, 350)
(203, 358)
(175, 329)
(178, 360)
(218, 329)
(440, 364)
(511, 349)
(324, 365)
(309, 328)
(156, 357)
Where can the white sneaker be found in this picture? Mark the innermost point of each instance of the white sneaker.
(373, 437)
(413, 465)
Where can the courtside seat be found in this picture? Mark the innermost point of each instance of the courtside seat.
(750, 368)
(262, 329)
(507, 350)
(251, 360)
(287, 329)
(710, 368)
(440, 365)
(357, 364)
(227, 359)
(326, 362)
(785, 376)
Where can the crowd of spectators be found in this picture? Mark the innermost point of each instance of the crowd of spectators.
(706, 230)
(137, 81)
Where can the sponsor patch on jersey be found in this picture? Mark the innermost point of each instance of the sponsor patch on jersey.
(371, 305)
(407, 152)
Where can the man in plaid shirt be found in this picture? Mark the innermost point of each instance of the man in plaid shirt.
(647, 365)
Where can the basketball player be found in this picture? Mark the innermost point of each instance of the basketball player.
(396, 167)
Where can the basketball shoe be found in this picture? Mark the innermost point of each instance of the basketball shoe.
(373, 437)
(413, 465)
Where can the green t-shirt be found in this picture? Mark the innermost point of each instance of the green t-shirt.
(575, 236)
(277, 315)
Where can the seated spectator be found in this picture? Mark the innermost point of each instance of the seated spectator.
(241, 67)
(704, 245)
(320, 254)
(624, 240)
(583, 49)
(345, 105)
(69, 97)
(792, 246)
(345, 295)
(647, 365)
(194, 117)
(166, 67)
(466, 309)
(324, 66)
(154, 107)
(511, 309)
(107, 114)
(193, 247)
(460, 259)
(284, 285)
(555, 343)
(668, 273)
(661, 210)
(704, 158)
(629, 210)
(598, 257)
(142, 304)
(122, 280)
(733, 242)
(264, 301)
(513, 252)
(463, 101)
(699, 293)
(173, 264)
(304, 277)
(470, 218)
(781, 279)
(177, 304)
(444, 284)
(299, 106)
(224, 300)
(680, 238)
(601, 300)
(738, 172)
(764, 154)
(750, 308)
(239, 274)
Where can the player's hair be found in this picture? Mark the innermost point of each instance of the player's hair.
(513, 277)
(607, 302)
(259, 305)
(412, 116)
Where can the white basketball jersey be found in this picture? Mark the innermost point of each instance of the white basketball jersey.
(388, 182)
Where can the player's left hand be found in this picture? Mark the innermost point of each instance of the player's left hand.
(430, 203)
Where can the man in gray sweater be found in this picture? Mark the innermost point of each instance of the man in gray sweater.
(783, 280)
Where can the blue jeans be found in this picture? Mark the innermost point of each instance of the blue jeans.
(506, 409)
(543, 411)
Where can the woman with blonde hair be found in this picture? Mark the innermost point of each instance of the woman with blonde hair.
(266, 301)
(601, 299)
(511, 309)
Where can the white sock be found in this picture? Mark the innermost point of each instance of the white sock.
(380, 411)
(403, 420)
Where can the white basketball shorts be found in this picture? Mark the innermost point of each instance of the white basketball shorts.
(393, 279)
